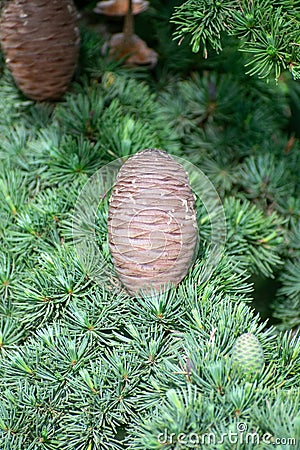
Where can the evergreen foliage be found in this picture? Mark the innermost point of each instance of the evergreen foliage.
(268, 31)
(86, 367)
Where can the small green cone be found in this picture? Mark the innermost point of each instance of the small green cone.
(247, 354)
(296, 424)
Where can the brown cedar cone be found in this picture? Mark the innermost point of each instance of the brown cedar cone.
(40, 41)
(120, 7)
(136, 50)
(152, 228)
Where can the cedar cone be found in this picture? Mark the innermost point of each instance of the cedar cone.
(133, 48)
(120, 7)
(152, 228)
(247, 354)
(40, 42)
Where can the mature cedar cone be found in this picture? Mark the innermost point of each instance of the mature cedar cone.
(152, 228)
(133, 49)
(120, 7)
(40, 42)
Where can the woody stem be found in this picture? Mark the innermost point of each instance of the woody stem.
(128, 29)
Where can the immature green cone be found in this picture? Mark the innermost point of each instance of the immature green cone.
(247, 354)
